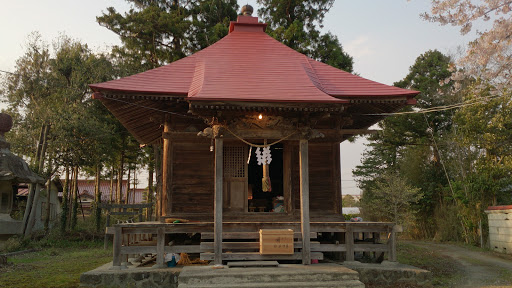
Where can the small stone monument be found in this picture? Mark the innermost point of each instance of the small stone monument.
(13, 170)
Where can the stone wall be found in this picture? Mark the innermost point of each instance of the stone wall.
(500, 228)
(391, 274)
(102, 277)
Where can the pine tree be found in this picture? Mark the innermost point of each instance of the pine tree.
(296, 24)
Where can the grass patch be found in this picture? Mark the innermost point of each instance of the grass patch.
(445, 271)
(53, 267)
(506, 275)
(60, 259)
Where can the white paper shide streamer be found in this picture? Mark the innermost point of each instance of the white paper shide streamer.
(263, 157)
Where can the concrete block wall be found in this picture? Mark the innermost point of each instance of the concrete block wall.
(500, 228)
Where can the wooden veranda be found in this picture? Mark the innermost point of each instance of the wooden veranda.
(353, 231)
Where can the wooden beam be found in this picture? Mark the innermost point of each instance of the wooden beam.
(328, 247)
(248, 235)
(183, 249)
(219, 175)
(304, 202)
(191, 136)
(328, 134)
(358, 131)
(208, 246)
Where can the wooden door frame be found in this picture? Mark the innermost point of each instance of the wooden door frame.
(228, 180)
(287, 178)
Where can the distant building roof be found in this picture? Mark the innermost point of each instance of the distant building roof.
(86, 188)
(350, 210)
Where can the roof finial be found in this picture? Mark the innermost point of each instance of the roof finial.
(247, 10)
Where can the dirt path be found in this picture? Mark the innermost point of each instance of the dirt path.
(477, 268)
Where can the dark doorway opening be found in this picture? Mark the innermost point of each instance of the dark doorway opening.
(272, 201)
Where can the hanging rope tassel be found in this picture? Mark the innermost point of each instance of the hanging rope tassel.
(266, 186)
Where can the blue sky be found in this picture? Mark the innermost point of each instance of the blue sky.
(383, 36)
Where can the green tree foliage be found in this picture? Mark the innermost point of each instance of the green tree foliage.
(482, 165)
(210, 22)
(460, 159)
(296, 24)
(53, 89)
(408, 143)
(158, 32)
(50, 89)
(392, 200)
(349, 201)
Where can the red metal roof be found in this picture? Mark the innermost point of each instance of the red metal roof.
(249, 65)
(504, 207)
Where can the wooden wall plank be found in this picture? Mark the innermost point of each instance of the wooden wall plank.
(322, 178)
(193, 178)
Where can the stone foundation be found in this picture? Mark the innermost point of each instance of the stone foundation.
(103, 277)
(386, 274)
(391, 273)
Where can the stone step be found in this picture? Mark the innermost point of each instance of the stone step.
(246, 256)
(323, 284)
(253, 264)
(285, 273)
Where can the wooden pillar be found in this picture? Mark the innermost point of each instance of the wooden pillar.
(392, 246)
(219, 173)
(304, 202)
(105, 240)
(166, 197)
(336, 175)
(287, 178)
(349, 243)
(160, 247)
(118, 241)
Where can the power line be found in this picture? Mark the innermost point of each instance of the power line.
(438, 108)
(151, 108)
(7, 72)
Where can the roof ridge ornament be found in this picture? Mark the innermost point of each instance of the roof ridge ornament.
(247, 10)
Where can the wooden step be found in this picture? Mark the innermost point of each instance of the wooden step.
(248, 235)
(253, 264)
(258, 256)
(205, 246)
(316, 284)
